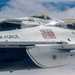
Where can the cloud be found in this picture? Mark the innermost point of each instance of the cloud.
(59, 6)
(20, 8)
(57, 9)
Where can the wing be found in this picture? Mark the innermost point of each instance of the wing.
(65, 47)
(61, 46)
(10, 24)
(14, 21)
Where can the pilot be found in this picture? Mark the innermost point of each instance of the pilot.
(42, 16)
(48, 17)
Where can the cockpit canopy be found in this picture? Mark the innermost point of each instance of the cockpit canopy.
(41, 16)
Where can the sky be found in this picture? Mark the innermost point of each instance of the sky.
(57, 9)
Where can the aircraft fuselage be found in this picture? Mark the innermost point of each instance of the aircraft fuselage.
(37, 47)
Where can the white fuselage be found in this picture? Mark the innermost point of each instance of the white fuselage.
(46, 46)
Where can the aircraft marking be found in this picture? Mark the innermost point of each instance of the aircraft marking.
(31, 19)
(47, 33)
(9, 37)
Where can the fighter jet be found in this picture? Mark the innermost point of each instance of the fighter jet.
(47, 44)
